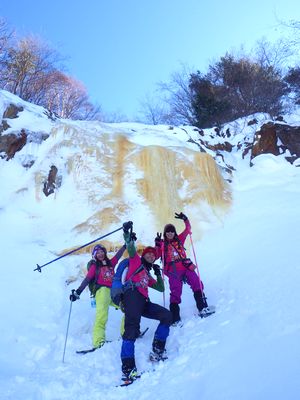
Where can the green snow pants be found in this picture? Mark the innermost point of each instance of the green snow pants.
(103, 301)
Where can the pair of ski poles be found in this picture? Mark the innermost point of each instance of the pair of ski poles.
(39, 268)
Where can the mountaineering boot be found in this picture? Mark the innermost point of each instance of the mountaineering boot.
(204, 309)
(200, 300)
(158, 352)
(207, 311)
(130, 376)
(174, 308)
(129, 371)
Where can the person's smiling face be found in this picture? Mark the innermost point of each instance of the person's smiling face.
(170, 235)
(100, 255)
(149, 257)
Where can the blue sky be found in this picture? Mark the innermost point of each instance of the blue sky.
(120, 49)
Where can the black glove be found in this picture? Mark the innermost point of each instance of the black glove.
(133, 236)
(181, 216)
(127, 226)
(74, 295)
(156, 269)
(157, 240)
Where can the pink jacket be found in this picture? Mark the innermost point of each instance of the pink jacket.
(106, 273)
(173, 251)
(142, 278)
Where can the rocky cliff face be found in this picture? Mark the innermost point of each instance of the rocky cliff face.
(116, 169)
(275, 138)
(250, 137)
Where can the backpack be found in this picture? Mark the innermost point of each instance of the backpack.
(119, 285)
(117, 289)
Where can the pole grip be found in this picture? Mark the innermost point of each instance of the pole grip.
(38, 268)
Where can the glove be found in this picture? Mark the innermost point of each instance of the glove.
(74, 295)
(156, 269)
(181, 216)
(157, 240)
(127, 226)
(133, 236)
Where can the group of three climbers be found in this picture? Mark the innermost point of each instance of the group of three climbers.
(135, 302)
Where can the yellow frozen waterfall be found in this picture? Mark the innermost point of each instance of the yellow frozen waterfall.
(121, 176)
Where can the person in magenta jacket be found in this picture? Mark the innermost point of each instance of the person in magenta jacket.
(136, 303)
(177, 267)
(100, 270)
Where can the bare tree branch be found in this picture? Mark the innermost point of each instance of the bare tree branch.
(177, 94)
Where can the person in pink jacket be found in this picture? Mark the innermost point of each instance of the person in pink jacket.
(177, 267)
(101, 271)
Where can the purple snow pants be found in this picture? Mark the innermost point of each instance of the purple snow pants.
(176, 283)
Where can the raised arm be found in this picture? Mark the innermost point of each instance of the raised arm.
(129, 238)
(118, 255)
(187, 230)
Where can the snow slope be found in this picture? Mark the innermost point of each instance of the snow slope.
(250, 267)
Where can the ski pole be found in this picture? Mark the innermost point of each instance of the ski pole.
(163, 275)
(68, 324)
(39, 267)
(198, 273)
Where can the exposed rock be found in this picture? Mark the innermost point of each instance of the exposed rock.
(12, 111)
(217, 130)
(225, 146)
(252, 122)
(11, 143)
(290, 138)
(200, 145)
(50, 184)
(28, 164)
(248, 147)
(4, 126)
(37, 136)
(277, 139)
(228, 168)
(265, 141)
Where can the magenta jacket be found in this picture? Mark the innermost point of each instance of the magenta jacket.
(142, 278)
(106, 272)
(173, 251)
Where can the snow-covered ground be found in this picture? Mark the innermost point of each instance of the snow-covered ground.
(250, 265)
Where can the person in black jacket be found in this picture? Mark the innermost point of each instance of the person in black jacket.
(136, 303)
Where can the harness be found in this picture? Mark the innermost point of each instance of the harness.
(184, 261)
(129, 284)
